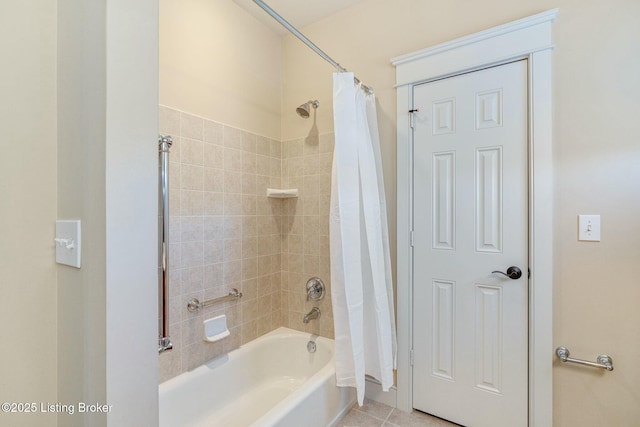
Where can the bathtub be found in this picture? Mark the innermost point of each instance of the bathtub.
(270, 381)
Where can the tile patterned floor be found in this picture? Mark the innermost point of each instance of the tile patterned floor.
(376, 414)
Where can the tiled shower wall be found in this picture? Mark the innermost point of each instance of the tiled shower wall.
(306, 166)
(225, 233)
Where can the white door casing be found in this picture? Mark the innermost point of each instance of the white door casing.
(528, 38)
(470, 218)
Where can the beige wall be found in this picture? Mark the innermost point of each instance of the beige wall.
(231, 70)
(107, 177)
(131, 184)
(81, 195)
(28, 286)
(596, 163)
(597, 170)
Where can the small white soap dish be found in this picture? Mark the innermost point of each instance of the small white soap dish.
(215, 328)
(282, 193)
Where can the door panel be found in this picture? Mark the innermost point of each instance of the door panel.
(470, 218)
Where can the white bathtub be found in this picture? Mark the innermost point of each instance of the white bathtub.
(270, 381)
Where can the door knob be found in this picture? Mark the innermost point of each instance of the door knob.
(513, 273)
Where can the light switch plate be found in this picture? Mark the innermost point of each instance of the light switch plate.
(589, 228)
(68, 242)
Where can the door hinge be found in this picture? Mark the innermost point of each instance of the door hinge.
(412, 116)
(411, 357)
(411, 234)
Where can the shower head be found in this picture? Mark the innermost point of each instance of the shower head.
(303, 110)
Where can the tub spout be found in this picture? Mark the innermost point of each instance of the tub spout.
(313, 314)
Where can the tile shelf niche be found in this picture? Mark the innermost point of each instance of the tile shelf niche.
(282, 193)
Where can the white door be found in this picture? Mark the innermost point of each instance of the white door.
(470, 332)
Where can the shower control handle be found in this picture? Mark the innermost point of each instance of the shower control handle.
(513, 273)
(315, 289)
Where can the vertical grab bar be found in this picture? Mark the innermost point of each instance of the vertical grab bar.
(164, 341)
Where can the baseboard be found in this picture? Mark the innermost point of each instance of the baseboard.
(373, 391)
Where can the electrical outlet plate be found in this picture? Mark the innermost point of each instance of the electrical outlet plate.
(68, 243)
(589, 228)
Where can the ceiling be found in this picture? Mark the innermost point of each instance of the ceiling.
(299, 13)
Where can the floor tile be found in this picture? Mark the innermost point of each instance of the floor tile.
(376, 414)
(416, 419)
(375, 409)
(356, 418)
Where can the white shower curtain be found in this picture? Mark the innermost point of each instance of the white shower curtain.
(361, 284)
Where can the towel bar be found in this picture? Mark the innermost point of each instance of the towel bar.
(603, 361)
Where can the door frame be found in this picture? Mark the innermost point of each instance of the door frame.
(529, 38)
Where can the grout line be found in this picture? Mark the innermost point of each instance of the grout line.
(371, 415)
(389, 414)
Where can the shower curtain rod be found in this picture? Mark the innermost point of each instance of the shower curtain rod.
(293, 30)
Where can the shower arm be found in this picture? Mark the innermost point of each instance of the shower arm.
(293, 30)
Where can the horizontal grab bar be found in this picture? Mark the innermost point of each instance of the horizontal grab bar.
(194, 304)
(603, 361)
